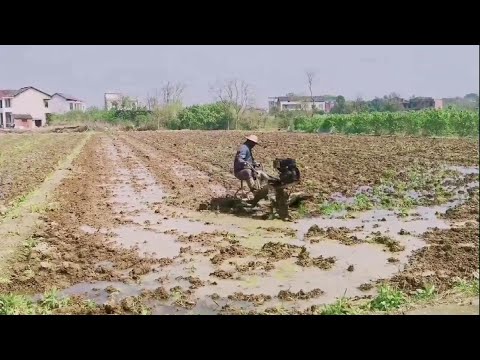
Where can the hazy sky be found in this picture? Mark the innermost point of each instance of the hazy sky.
(368, 71)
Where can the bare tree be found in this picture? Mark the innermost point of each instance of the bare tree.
(172, 92)
(153, 100)
(160, 100)
(236, 96)
(310, 77)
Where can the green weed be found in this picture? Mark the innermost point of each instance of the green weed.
(341, 307)
(52, 300)
(362, 203)
(328, 208)
(428, 293)
(90, 304)
(16, 305)
(468, 287)
(302, 210)
(388, 298)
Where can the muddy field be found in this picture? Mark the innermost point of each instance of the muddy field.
(25, 162)
(146, 222)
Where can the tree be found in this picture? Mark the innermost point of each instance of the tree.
(153, 100)
(340, 107)
(165, 103)
(359, 105)
(235, 95)
(310, 77)
(172, 92)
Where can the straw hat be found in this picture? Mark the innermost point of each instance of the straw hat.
(252, 138)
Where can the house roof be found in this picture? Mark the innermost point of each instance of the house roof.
(299, 98)
(18, 92)
(13, 93)
(67, 97)
(22, 116)
(7, 93)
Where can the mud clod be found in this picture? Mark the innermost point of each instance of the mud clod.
(287, 295)
(256, 299)
(229, 252)
(254, 265)
(365, 287)
(391, 244)
(158, 294)
(341, 234)
(278, 251)
(110, 289)
(305, 260)
(222, 274)
(195, 282)
(182, 298)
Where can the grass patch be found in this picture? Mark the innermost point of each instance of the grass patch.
(340, 307)
(302, 210)
(388, 299)
(52, 300)
(13, 304)
(17, 305)
(426, 294)
(468, 287)
(330, 208)
(362, 202)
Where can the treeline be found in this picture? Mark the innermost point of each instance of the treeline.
(393, 103)
(172, 116)
(430, 122)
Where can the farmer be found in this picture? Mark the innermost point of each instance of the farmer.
(244, 164)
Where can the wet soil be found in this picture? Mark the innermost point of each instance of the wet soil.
(26, 160)
(338, 171)
(64, 254)
(451, 254)
(129, 240)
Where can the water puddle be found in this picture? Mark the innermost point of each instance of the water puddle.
(148, 242)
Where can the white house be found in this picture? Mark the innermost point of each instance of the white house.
(26, 107)
(61, 103)
(288, 103)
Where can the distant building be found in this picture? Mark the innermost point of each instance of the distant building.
(289, 103)
(439, 104)
(61, 103)
(420, 103)
(115, 100)
(26, 107)
(30, 107)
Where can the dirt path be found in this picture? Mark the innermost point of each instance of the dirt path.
(19, 223)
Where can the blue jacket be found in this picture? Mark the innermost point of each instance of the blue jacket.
(243, 156)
